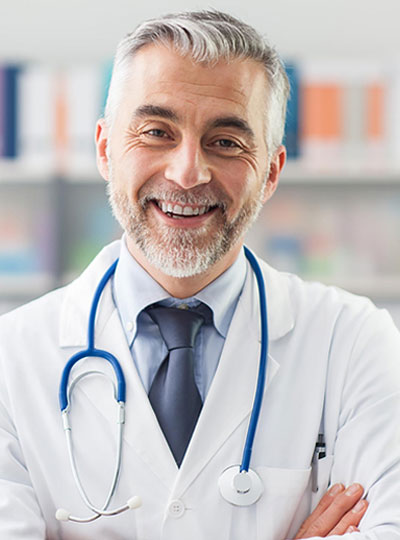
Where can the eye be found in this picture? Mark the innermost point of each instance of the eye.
(159, 133)
(226, 143)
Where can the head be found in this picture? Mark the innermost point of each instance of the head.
(190, 143)
(207, 37)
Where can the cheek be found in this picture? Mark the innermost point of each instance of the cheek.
(238, 180)
(134, 169)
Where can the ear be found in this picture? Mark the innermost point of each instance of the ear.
(277, 163)
(101, 140)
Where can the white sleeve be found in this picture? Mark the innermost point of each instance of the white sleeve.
(20, 515)
(367, 445)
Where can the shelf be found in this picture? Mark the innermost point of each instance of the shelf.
(88, 175)
(296, 173)
(383, 288)
(15, 172)
(25, 285)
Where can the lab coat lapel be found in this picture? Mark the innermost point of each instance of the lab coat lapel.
(230, 398)
(231, 395)
(142, 431)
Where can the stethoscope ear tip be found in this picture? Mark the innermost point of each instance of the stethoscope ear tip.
(134, 502)
(62, 514)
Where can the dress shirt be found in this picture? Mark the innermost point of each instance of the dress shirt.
(134, 290)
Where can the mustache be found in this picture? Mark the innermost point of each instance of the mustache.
(199, 195)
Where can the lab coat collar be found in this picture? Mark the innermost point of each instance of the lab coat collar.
(79, 295)
(230, 398)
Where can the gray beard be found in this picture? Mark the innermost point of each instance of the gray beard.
(178, 252)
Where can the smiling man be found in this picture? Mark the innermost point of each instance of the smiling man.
(188, 163)
(191, 149)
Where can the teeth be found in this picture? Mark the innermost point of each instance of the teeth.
(169, 208)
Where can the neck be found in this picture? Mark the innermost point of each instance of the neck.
(187, 286)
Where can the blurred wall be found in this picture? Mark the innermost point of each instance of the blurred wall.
(58, 31)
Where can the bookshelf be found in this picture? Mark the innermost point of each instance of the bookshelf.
(76, 222)
(57, 226)
(335, 217)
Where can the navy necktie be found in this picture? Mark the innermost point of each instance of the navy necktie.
(174, 395)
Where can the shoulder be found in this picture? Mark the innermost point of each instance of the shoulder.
(43, 314)
(26, 319)
(357, 342)
(329, 309)
(313, 295)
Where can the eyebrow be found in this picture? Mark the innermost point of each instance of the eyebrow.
(234, 122)
(154, 110)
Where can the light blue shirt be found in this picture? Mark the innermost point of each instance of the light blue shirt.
(134, 289)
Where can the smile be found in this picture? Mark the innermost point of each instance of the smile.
(182, 210)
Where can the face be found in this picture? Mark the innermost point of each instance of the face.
(186, 159)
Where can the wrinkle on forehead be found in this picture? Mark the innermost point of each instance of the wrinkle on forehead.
(223, 97)
(204, 86)
(212, 91)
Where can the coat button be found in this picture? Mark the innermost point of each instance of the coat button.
(176, 508)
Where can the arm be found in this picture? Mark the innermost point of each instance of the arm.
(362, 420)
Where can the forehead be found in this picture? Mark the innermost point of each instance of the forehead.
(160, 75)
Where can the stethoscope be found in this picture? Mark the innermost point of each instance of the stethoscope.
(238, 484)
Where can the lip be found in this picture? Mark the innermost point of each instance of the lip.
(186, 222)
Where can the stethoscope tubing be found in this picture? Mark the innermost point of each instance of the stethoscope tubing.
(92, 351)
(120, 390)
(262, 370)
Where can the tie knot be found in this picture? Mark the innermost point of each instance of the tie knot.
(178, 327)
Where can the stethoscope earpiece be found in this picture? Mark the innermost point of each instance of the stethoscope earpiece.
(131, 504)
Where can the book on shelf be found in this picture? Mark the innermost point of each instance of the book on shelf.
(8, 110)
(335, 239)
(27, 234)
(342, 116)
(37, 118)
(82, 91)
(342, 111)
(292, 136)
(48, 117)
(392, 115)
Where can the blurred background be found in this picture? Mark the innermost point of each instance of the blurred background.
(336, 215)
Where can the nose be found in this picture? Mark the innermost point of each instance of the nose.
(187, 165)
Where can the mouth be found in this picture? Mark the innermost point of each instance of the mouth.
(183, 211)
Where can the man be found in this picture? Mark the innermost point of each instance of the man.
(191, 149)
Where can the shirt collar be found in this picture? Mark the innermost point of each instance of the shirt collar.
(134, 289)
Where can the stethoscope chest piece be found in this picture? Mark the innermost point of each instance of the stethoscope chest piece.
(240, 488)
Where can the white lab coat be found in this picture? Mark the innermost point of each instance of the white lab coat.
(332, 356)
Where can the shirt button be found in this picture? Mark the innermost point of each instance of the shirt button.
(176, 508)
(129, 326)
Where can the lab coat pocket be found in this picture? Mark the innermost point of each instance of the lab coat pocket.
(322, 475)
(284, 491)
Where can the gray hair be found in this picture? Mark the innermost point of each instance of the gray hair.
(207, 36)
